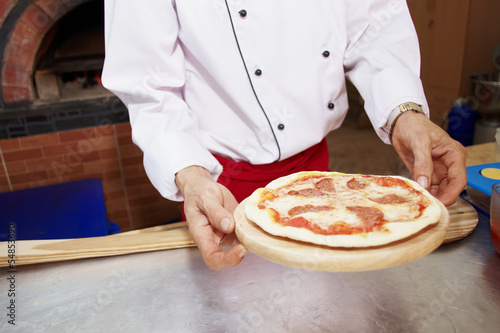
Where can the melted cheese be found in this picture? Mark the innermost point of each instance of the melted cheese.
(344, 197)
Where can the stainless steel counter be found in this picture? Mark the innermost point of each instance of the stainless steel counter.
(454, 289)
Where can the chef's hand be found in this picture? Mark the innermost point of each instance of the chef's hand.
(436, 161)
(209, 209)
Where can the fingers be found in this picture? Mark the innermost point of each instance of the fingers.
(209, 209)
(218, 209)
(416, 152)
(423, 166)
(436, 161)
(209, 244)
(447, 191)
(208, 228)
(218, 260)
(413, 143)
(454, 178)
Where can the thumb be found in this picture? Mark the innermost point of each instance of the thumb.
(222, 220)
(423, 166)
(220, 213)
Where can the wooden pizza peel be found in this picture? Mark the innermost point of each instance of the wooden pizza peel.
(309, 256)
(463, 219)
(164, 237)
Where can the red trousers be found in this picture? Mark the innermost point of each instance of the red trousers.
(242, 178)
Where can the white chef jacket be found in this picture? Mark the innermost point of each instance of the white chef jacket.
(255, 81)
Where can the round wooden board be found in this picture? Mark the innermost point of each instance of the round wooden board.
(463, 220)
(309, 256)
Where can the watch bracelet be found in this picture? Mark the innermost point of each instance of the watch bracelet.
(397, 112)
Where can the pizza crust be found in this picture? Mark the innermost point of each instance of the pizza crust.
(395, 230)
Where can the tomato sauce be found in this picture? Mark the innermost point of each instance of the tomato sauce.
(495, 237)
(297, 222)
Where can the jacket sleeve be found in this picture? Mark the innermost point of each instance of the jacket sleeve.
(145, 68)
(382, 58)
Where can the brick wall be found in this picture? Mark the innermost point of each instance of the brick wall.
(104, 152)
(5, 8)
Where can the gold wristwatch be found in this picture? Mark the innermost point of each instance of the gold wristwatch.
(393, 117)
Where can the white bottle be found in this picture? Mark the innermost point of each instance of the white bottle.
(497, 145)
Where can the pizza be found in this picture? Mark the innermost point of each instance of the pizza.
(342, 210)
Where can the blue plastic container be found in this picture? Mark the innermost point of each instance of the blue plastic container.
(68, 210)
(461, 122)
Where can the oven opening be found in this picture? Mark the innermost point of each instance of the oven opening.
(69, 61)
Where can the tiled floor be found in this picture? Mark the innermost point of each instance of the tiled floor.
(360, 150)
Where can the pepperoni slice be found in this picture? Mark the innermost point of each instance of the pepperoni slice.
(340, 228)
(355, 184)
(308, 208)
(368, 215)
(390, 199)
(391, 182)
(307, 192)
(325, 184)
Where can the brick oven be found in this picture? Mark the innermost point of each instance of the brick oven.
(52, 53)
(44, 39)
(57, 122)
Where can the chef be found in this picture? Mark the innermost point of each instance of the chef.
(227, 95)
